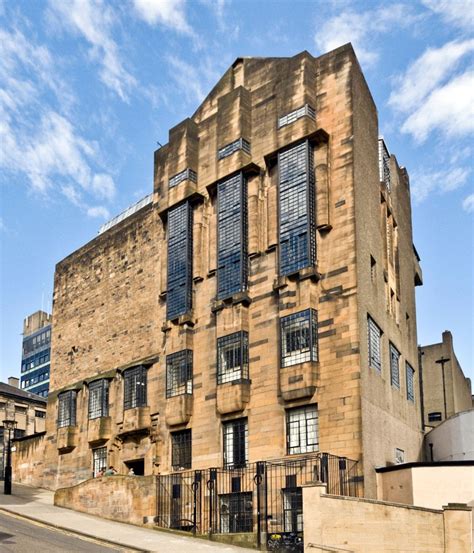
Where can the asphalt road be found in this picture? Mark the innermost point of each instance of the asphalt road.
(22, 536)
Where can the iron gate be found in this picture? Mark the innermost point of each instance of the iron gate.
(264, 497)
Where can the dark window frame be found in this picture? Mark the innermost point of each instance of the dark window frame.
(232, 236)
(296, 209)
(410, 381)
(98, 403)
(179, 373)
(235, 442)
(99, 460)
(299, 338)
(394, 366)
(435, 416)
(233, 358)
(181, 449)
(67, 405)
(134, 387)
(374, 337)
(299, 434)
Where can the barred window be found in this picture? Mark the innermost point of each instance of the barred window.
(235, 443)
(374, 337)
(297, 206)
(67, 408)
(187, 174)
(98, 399)
(232, 357)
(180, 260)
(302, 430)
(179, 373)
(232, 236)
(181, 450)
(299, 338)
(99, 460)
(296, 114)
(410, 376)
(394, 366)
(229, 149)
(134, 387)
(384, 163)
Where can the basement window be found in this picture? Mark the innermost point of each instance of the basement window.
(302, 430)
(99, 460)
(235, 443)
(181, 443)
(67, 408)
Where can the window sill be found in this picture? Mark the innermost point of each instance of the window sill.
(66, 438)
(233, 396)
(298, 381)
(179, 409)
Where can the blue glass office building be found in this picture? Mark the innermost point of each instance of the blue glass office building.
(36, 353)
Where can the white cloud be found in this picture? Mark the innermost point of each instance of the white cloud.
(39, 140)
(426, 183)
(459, 13)
(170, 13)
(98, 211)
(425, 73)
(93, 20)
(449, 109)
(361, 28)
(468, 203)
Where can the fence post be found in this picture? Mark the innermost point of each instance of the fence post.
(211, 485)
(196, 486)
(258, 481)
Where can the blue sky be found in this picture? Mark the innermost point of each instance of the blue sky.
(87, 88)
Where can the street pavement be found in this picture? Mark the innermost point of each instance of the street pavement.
(37, 504)
(19, 535)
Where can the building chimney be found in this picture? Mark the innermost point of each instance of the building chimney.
(14, 381)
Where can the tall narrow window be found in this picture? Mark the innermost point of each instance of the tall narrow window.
(67, 408)
(302, 430)
(232, 260)
(180, 255)
(181, 443)
(297, 209)
(98, 399)
(134, 387)
(410, 377)
(232, 357)
(384, 164)
(236, 443)
(99, 460)
(374, 337)
(299, 338)
(179, 373)
(394, 366)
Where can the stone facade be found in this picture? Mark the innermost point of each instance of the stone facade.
(110, 296)
(448, 394)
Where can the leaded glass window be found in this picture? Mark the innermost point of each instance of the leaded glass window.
(134, 387)
(181, 452)
(296, 114)
(232, 232)
(235, 443)
(180, 260)
(229, 149)
(98, 399)
(410, 377)
(394, 366)
(374, 337)
(67, 408)
(299, 338)
(99, 460)
(232, 357)
(179, 373)
(187, 174)
(302, 430)
(297, 208)
(384, 164)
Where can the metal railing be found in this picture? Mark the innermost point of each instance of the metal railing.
(264, 497)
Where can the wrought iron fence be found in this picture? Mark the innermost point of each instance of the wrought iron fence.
(264, 497)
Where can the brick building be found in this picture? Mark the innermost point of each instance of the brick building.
(261, 306)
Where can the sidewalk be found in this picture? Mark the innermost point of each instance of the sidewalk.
(37, 504)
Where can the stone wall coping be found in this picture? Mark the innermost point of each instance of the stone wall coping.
(433, 464)
(383, 503)
(29, 437)
(103, 479)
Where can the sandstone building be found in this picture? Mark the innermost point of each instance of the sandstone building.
(261, 305)
(26, 409)
(446, 391)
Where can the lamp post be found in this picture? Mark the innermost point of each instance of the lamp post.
(8, 424)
